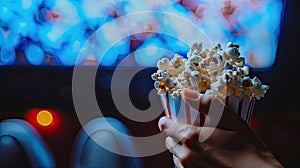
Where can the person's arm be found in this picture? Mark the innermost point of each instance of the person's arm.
(235, 146)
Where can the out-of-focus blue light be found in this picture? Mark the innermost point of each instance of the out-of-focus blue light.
(57, 24)
(49, 3)
(7, 56)
(175, 45)
(9, 35)
(34, 54)
(262, 26)
(27, 27)
(151, 50)
(28, 7)
(176, 29)
(108, 44)
(61, 26)
(71, 47)
(120, 49)
(95, 12)
(49, 44)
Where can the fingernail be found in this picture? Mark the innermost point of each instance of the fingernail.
(163, 123)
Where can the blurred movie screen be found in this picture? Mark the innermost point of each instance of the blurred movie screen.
(54, 32)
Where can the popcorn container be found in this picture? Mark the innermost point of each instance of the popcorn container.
(241, 106)
(177, 109)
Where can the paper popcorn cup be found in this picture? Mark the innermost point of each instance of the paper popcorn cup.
(242, 106)
(177, 109)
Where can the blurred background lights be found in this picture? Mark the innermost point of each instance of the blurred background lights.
(151, 50)
(45, 30)
(44, 118)
(34, 54)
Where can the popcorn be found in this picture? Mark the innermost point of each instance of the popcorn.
(163, 64)
(177, 65)
(195, 49)
(259, 89)
(210, 71)
(159, 75)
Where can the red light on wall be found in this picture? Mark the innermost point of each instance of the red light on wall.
(44, 119)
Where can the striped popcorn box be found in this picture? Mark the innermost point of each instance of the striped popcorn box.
(241, 106)
(177, 109)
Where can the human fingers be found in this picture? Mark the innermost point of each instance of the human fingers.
(200, 102)
(182, 132)
(218, 113)
(188, 134)
(176, 147)
(183, 156)
(200, 154)
(177, 162)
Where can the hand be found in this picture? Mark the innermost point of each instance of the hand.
(231, 144)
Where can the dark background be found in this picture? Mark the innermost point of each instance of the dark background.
(276, 117)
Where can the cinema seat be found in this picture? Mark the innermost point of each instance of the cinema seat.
(22, 146)
(88, 150)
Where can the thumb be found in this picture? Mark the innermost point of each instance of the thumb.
(198, 101)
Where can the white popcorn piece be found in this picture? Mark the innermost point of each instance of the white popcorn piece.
(240, 61)
(259, 89)
(256, 82)
(245, 70)
(218, 58)
(195, 49)
(194, 63)
(177, 65)
(228, 65)
(217, 47)
(203, 53)
(233, 53)
(160, 75)
(163, 64)
(156, 84)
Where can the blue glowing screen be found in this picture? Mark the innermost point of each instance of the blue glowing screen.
(53, 32)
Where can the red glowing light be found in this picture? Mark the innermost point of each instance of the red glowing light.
(44, 119)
